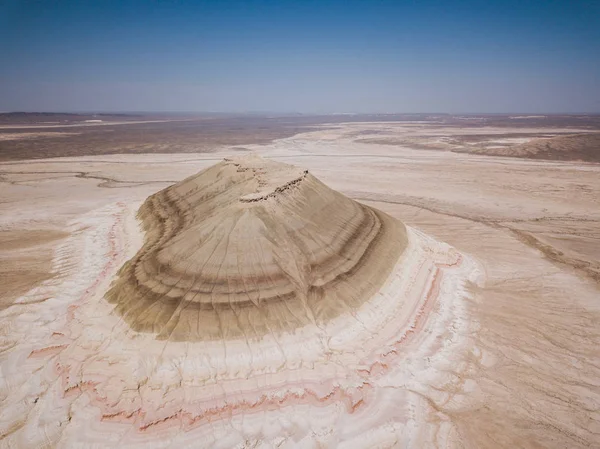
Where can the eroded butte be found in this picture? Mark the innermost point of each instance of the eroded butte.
(251, 247)
(260, 308)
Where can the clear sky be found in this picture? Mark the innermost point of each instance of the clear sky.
(300, 56)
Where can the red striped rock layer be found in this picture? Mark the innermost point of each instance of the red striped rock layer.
(353, 381)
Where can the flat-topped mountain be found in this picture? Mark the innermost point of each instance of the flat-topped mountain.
(249, 247)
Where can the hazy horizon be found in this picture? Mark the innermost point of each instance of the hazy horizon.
(294, 113)
(363, 57)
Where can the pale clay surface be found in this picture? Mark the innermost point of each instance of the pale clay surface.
(488, 340)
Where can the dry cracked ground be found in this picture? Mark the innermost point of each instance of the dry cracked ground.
(504, 350)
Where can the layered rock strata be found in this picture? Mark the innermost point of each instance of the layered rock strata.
(261, 309)
(251, 247)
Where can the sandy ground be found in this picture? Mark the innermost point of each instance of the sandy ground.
(35, 135)
(531, 374)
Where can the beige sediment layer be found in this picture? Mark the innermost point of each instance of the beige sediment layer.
(25, 260)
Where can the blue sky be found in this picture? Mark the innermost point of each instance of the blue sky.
(302, 56)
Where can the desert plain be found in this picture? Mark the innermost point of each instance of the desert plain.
(427, 281)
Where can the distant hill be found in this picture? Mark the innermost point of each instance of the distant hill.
(572, 147)
(10, 118)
